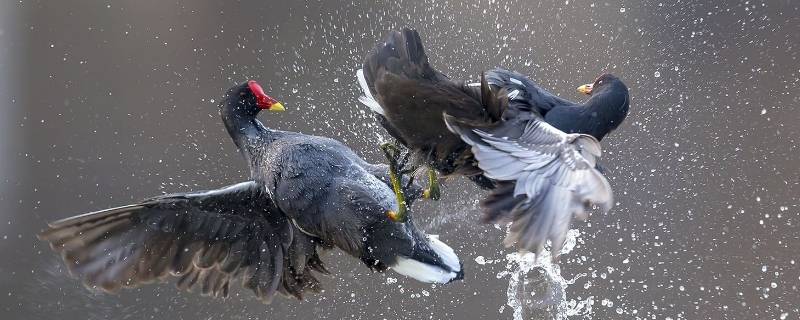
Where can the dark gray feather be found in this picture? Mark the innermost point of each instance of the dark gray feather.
(201, 237)
(549, 178)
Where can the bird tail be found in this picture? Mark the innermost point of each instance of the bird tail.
(403, 55)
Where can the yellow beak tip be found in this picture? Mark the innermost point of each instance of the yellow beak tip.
(277, 106)
(585, 89)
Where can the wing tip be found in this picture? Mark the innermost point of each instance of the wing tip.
(92, 216)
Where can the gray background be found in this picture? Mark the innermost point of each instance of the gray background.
(104, 103)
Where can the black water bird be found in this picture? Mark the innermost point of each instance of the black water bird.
(305, 193)
(602, 113)
(537, 152)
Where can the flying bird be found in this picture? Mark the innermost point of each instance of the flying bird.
(305, 193)
(536, 152)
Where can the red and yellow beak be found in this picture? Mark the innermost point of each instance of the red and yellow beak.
(586, 89)
(262, 99)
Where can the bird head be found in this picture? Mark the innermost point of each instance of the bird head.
(610, 101)
(249, 98)
(405, 249)
(606, 80)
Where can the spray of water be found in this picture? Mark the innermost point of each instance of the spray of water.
(536, 289)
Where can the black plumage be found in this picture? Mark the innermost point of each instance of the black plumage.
(602, 113)
(537, 151)
(305, 193)
(207, 239)
(410, 98)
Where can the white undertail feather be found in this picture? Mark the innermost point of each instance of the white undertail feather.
(422, 272)
(444, 251)
(430, 273)
(366, 98)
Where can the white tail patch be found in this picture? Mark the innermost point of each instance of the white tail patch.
(422, 272)
(366, 98)
(444, 251)
(429, 273)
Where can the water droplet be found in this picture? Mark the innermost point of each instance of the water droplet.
(536, 285)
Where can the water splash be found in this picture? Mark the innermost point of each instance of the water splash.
(536, 289)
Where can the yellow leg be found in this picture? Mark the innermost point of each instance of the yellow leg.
(401, 215)
(433, 191)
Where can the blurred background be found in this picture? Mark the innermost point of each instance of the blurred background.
(108, 102)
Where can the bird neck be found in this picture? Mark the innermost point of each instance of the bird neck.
(609, 108)
(242, 125)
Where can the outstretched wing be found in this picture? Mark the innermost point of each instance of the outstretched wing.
(547, 178)
(207, 239)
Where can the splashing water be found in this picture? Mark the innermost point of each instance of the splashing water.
(536, 289)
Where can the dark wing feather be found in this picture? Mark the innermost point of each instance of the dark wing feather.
(526, 98)
(409, 97)
(206, 239)
(546, 176)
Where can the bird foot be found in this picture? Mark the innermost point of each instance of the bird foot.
(393, 154)
(433, 191)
